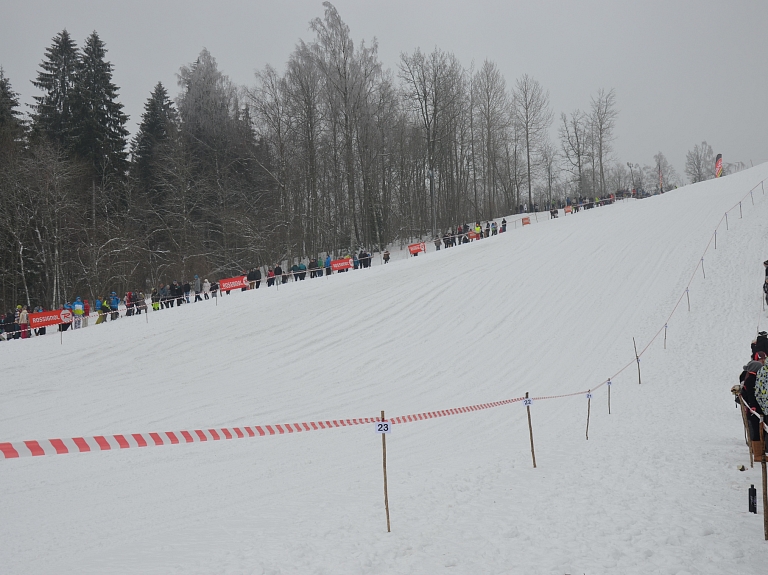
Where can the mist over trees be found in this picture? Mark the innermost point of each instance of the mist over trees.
(331, 153)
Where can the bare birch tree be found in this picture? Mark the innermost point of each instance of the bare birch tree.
(533, 116)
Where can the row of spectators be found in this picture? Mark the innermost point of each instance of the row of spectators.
(16, 325)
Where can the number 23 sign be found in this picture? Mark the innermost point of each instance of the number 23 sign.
(383, 427)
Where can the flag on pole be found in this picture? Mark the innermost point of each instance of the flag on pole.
(719, 166)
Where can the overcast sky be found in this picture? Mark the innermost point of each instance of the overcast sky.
(683, 70)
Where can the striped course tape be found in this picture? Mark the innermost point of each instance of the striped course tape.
(36, 448)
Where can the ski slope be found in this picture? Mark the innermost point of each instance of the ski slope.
(548, 309)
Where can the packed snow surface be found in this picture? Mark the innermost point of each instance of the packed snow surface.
(548, 309)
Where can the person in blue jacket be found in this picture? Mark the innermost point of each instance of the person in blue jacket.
(328, 265)
(78, 310)
(114, 303)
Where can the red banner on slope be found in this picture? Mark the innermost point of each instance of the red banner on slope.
(44, 318)
(233, 283)
(416, 248)
(342, 264)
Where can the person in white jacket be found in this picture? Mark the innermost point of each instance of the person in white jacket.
(206, 288)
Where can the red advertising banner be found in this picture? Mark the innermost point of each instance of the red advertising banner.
(526, 221)
(53, 317)
(568, 209)
(233, 283)
(473, 236)
(416, 248)
(343, 264)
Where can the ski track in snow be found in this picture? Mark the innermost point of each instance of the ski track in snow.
(549, 309)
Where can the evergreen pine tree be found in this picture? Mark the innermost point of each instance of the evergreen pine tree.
(11, 125)
(158, 122)
(52, 112)
(99, 130)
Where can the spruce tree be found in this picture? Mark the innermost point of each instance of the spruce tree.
(52, 112)
(158, 122)
(99, 127)
(11, 125)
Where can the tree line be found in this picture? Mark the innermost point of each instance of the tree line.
(332, 153)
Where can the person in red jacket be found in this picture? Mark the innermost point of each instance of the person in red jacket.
(86, 312)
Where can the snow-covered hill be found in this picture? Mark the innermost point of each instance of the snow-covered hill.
(549, 309)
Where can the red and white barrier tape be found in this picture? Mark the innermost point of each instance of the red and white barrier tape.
(36, 448)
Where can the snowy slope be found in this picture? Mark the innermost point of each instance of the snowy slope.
(549, 309)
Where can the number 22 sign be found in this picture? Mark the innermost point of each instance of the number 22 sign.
(383, 427)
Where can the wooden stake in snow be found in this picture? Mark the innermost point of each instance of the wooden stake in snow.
(740, 216)
(689, 299)
(530, 427)
(384, 458)
(589, 404)
(637, 357)
(726, 220)
(665, 336)
(609, 397)
(702, 268)
(715, 239)
(765, 482)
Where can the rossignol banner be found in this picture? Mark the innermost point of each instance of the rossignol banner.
(526, 221)
(416, 248)
(342, 264)
(53, 317)
(233, 283)
(719, 166)
(473, 236)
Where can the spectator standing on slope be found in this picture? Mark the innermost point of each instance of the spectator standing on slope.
(749, 391)
(86, 312)
(77, 310)
(385, 256)
(114, 306)
(101, 310)
(328, 265)
(24, 322)
(198, 289)
(270, 277)
(436, 241)
(206, 288)
(504, 225)
(765, 290)
(187, 289)
(302, 271)
(278, 274)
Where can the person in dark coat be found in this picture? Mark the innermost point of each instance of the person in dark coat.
(760, 343)
(748, 395)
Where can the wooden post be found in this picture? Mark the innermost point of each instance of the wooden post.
(609, 397)
(384, 459)
(637, 357)
(589, 404)
(530, 431)
(753, 197)
(689, 299)
(740, 216)
(715, 239)
(665, 336)
(702, 268)
(765, 482)
(726, 220)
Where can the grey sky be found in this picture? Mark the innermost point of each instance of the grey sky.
(683, 70)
